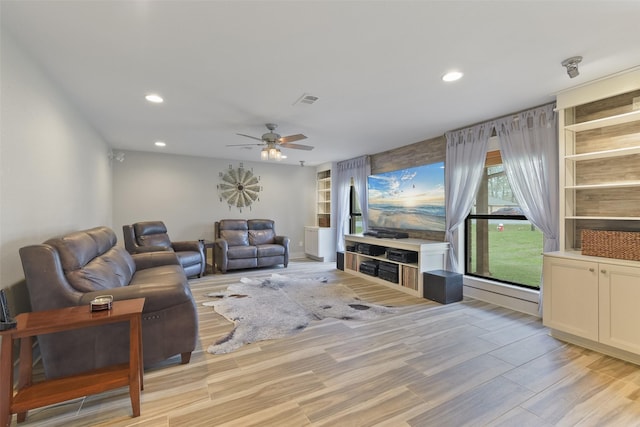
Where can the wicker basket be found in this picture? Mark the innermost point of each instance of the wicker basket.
(611, 244)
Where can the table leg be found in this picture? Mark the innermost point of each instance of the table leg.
(25, 368)
(141, 356)
(135, 382)
(6, 382)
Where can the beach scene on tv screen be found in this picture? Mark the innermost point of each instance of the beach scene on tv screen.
(408, 199)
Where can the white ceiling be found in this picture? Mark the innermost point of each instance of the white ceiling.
(227, 67)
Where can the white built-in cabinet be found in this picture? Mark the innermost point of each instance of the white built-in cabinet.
(320, 239)
(595, 301)
(319, 243)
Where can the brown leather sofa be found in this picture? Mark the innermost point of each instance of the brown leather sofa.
(241, 243)
(73, 269)
(151, 236)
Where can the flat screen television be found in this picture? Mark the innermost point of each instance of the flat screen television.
(407, 199)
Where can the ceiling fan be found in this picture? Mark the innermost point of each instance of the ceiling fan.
(273, 140)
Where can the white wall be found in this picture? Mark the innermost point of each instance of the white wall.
(182, 192)
(54, 169)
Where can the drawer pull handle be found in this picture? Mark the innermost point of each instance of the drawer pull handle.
(592, 269)
(603, 271)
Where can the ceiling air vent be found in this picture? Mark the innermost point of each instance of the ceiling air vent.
(306, 99)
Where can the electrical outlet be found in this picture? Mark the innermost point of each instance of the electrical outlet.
(636, 103)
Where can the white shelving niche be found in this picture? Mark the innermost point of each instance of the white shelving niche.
(592, 301)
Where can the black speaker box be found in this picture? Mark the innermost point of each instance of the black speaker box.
(442, 286)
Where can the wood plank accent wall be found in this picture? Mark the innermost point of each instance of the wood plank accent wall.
(432, 150)
(420, 153)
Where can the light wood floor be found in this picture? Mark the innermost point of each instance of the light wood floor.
(468, 363)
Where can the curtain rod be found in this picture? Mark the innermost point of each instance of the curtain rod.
(501, 117)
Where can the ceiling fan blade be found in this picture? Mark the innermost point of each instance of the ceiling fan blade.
(242, 145)
(291, 138)
(249, 136)
(297, 146)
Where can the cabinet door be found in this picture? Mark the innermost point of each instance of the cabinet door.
(570, 296)
(619, 307)
(311, 241)
(327, 244)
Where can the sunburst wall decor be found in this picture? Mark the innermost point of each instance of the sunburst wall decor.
(239, 187)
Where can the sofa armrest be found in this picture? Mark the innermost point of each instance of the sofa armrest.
(158, 296)
(154, 259)
(221, 246)
(284, 241)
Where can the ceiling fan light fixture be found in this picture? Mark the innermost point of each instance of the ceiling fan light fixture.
(271, 143)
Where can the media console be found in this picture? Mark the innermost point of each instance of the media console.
(428, 255)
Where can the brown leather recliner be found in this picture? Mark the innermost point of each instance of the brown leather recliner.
(151, 236)
(73, 269)
(242, 243)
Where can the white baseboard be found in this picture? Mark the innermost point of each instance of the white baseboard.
(596, 346)
(512, 297)
(297, 255)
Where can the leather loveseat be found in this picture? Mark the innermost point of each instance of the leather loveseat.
(241, 243)
(73, 269)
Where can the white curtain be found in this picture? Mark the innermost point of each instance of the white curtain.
(464, 165)
(358, 169)
(529, 149)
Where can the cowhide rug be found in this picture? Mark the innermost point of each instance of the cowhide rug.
(282, 306)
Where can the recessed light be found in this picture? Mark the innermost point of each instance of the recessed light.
(452, 76)
(160, 144)
(155, 98)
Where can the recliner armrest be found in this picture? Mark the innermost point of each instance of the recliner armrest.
(145, 249)
(282, 240)
(154, 259)
(192, 245)
(222, 244)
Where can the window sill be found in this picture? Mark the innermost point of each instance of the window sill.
(502, 294)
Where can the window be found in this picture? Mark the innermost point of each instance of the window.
(355, 213)
(500, 243)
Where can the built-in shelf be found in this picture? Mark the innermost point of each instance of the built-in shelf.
(618, 119)
(323, 197)
(600, 168)
(607, 218)
(614, 152)
(603, 186)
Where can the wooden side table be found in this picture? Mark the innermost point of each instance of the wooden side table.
(209, 244)
(34, 395)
